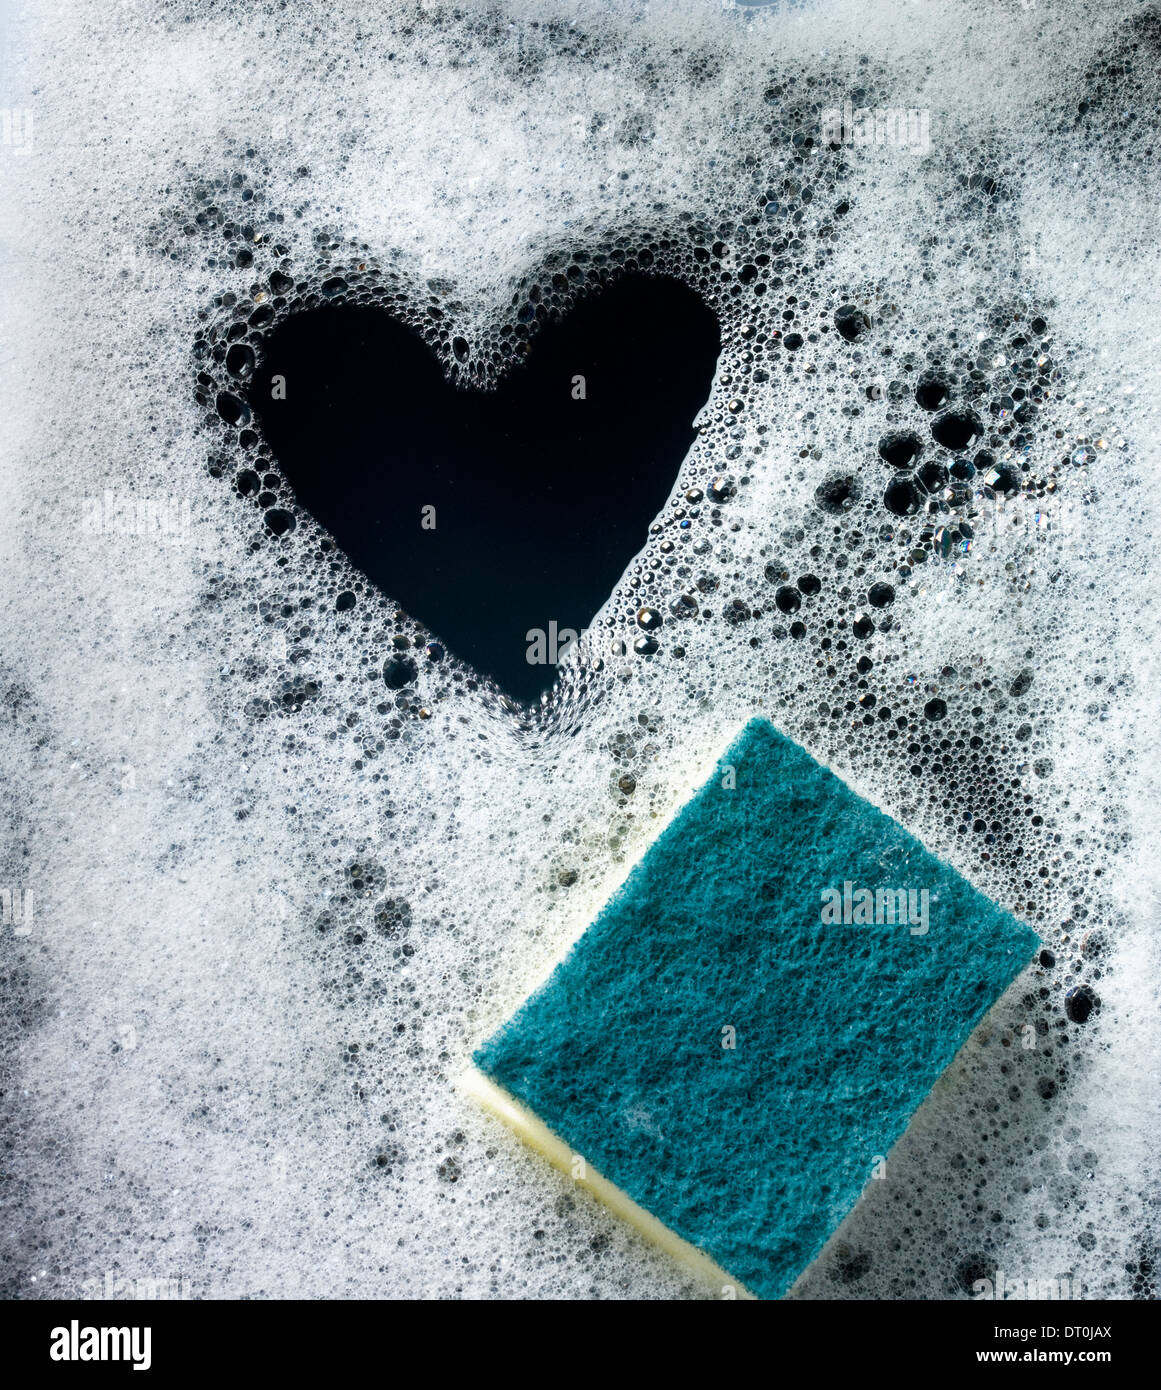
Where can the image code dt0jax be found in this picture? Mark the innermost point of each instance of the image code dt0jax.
(578, 668)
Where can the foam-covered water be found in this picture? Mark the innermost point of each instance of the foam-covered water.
(277, 900)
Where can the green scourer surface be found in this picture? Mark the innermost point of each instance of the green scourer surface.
(736, 1049)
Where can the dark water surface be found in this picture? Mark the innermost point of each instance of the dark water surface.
(540, 499)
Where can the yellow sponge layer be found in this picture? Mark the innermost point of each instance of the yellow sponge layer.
(536, 1134)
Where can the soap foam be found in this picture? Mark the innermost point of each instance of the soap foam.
(277, 904)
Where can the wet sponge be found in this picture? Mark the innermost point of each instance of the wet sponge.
(732, 1062)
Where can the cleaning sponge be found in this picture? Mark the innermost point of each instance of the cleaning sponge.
(749, 1024)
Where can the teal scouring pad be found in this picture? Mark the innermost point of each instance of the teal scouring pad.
(749, 1024)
